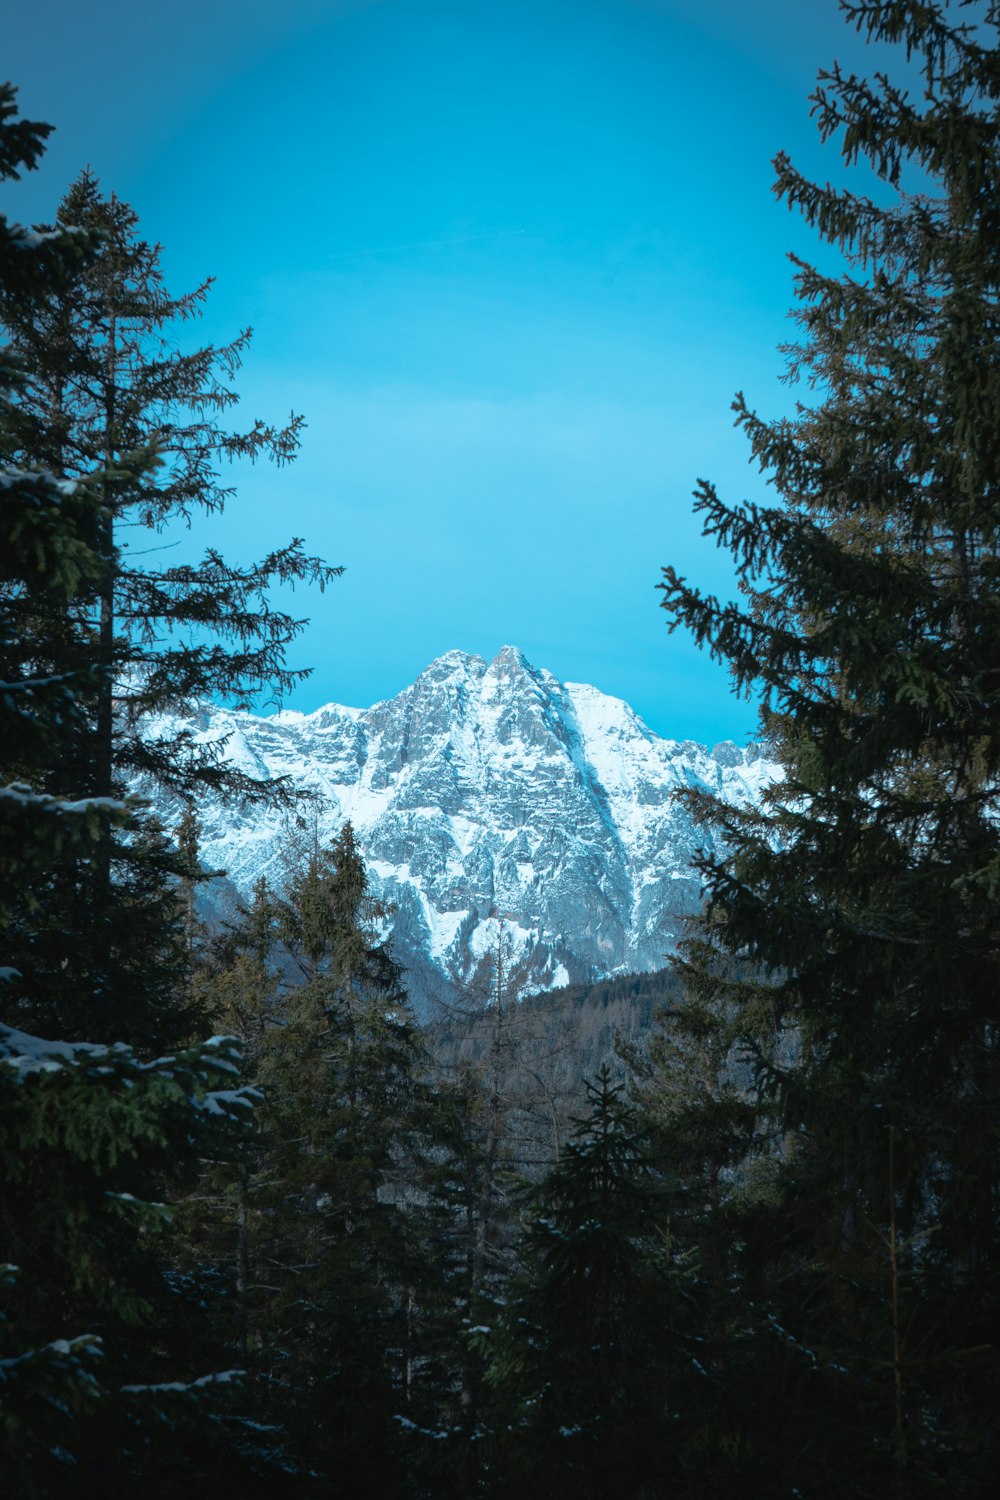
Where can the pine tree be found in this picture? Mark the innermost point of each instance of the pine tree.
(87, 1132)
(92, 1375)
(717, 1151)
(860, 903)
(340, 1083)
(105, 382)
(580, 1355)
(486, 1204)
(323, 1232)
(49, 550)
(104, 392)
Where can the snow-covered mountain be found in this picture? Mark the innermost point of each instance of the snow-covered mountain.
(487, 794)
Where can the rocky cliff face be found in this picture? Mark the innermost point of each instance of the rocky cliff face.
(489, 794)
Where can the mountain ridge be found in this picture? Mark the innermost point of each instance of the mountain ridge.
(489, 797)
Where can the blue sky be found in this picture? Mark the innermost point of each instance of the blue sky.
(511, 260)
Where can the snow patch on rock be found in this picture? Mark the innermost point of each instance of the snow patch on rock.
(489, 793)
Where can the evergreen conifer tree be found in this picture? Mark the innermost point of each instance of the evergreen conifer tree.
(104, 392)
(580, 1357)
(860, 903)
(87, 1132)
(717, 1151)
(323, 1232)
(104, 382)
(49, 550)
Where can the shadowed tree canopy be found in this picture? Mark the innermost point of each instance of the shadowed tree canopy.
(106, 388)
(106, 399)
(855, 915)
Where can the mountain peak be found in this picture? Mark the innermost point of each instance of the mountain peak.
(509, 657)
(454, 664)
(493, 788)
(513, 675)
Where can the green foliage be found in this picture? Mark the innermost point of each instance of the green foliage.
(48, 539)
(115, 414)
(325, 1235)
(850, 949)
(49, 554)
(90, 1131)
(85, 1131)
(581, 1356)
(103, 385)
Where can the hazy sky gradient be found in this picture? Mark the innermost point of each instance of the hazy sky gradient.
(511, 260)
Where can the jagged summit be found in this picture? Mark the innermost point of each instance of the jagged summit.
(453, 664)
(489, 792)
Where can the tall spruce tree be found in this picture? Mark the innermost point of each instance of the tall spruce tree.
(320, 1230)
(582, 1349)
(860, 904)
(716, 1151)
(104, 381)
(105, 392)
(90, 1401)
